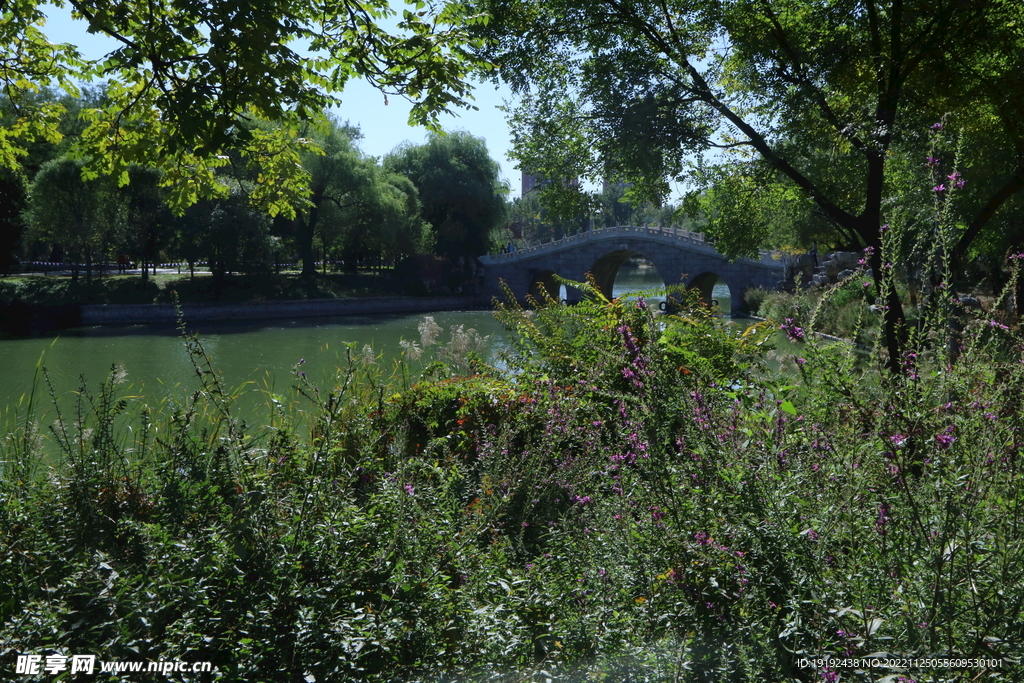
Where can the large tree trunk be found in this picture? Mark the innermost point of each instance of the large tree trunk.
(304, 232)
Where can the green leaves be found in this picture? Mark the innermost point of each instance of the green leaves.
(184, 73)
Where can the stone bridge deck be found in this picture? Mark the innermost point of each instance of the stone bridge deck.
(679, 255)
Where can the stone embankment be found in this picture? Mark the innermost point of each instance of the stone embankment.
(130, 314)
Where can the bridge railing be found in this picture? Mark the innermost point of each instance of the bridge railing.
(683, 235)
(686, 236)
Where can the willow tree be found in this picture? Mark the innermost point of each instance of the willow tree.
(460, 189)
(637, 89)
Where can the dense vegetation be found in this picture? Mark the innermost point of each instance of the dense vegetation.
(787, 121)
(626, 498)
(355, 212)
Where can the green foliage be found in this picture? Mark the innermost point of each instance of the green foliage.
(462, 195)
(67, 211)
(628, 497)
(182, 75)
(13, 199)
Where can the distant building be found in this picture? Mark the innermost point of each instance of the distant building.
(532, 182)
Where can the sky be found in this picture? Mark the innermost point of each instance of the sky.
(383, 126)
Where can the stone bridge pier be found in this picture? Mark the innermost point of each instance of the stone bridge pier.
(681, 257)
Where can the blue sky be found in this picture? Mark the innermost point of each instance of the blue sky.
(383, 126)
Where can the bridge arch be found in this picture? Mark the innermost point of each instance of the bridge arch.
(606, 268)
(675, 253)
(735, 305)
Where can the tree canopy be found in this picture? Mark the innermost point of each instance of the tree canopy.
(820, 97)
(460, 189)
(184, 73)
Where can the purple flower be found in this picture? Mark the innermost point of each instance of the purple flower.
(409, 489)
(641, 304)
(945, 438)
(794, 332)
(937, 126)
(956, 180)
(939, 188)
(883, 518)
(933, 161)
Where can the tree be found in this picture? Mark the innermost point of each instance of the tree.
(380, 219)
(460, 189)
(143, 217)
(639, 87)
(335, 169)
(13, 200)
(69, 212)
(184, 72)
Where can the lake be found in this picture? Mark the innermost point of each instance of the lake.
(263, 353)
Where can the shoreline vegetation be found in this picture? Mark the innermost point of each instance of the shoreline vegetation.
(628, 498)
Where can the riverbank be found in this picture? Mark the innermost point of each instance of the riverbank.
(129, 314)
(39, 304)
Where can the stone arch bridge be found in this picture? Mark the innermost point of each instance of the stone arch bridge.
(681, 257)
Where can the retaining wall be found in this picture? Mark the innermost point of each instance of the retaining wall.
(129, 314)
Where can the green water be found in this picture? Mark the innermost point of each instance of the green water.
(258, 353)
(249, 354)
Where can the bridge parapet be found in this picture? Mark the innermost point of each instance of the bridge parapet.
(694, 241)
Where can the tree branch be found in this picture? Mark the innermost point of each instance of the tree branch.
(1012, 186)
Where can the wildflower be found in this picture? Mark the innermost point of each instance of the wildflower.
(898, 440)
(883, 519)
(409, 489)
(945, 438)
(829, 676)
(794, 332)
(801, 361)
(933, 161)
(994, 323)
(939, 188)
(956, 179)
(937, 126)
(641, 304)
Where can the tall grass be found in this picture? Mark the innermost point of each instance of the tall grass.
(628, 498)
